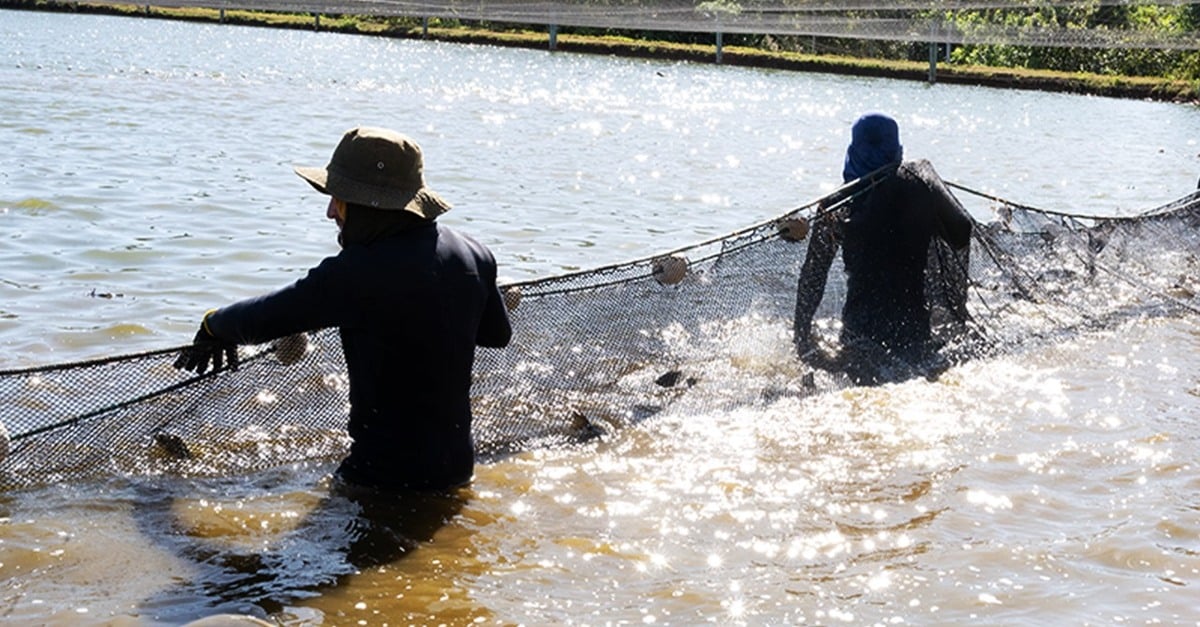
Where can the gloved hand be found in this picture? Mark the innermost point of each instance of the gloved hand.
(206, 349)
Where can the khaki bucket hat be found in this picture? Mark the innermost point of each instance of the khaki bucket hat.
(377, 168)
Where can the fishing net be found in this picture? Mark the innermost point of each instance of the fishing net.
(699, 329)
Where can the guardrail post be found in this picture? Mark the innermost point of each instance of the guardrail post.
(932, 62)
(720, 46)
(933, 31)
(554, 36)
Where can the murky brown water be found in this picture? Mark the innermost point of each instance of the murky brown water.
(147, 178)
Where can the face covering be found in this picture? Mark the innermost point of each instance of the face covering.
(363, 225)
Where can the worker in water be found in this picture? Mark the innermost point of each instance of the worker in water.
(885, 225)
(411, 299)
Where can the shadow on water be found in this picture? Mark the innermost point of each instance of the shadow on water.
(257, 545)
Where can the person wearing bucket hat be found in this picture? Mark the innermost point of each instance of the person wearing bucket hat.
(411, 298)
(377, 169)
(889, 217)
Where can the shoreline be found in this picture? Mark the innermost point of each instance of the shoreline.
(1128, 87)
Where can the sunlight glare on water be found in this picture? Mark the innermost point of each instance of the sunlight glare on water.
(911, 500)
(558, 162)
(147, 177)
(757, 496)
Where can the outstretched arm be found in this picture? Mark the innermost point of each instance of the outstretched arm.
(810, 287)
(951, 250)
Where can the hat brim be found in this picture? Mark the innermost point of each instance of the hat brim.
(423, 202)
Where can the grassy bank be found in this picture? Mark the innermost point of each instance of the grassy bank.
(1138, 87)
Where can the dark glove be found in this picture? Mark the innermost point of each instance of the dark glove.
(205, 349)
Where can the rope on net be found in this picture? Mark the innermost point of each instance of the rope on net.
(702, 328)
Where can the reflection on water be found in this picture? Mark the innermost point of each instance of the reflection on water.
(1016, 489)
(780, 512)
(985, 494)
(257, 550)
(153, 159)
(147, 178)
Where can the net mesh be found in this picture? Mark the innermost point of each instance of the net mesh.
(604, 349)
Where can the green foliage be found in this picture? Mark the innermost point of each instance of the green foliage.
(719, 7)
(1133, 20)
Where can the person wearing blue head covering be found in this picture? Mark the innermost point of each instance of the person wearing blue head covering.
(890, 220)
(874, 143)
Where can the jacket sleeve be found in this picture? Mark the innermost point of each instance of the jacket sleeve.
(495, 329)
(810, 287)
(313, 302)
(953, 222)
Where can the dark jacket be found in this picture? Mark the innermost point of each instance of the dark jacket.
(410, 308)
(885, 235)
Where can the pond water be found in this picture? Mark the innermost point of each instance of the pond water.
(147, 178)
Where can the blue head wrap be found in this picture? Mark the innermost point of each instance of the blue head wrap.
(874, 143)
